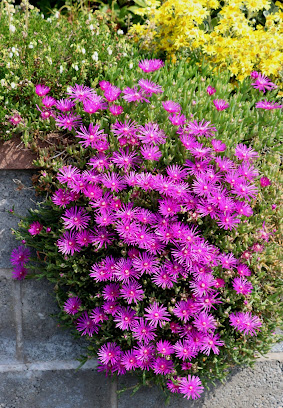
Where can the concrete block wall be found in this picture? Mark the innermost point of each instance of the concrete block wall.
(38, 359)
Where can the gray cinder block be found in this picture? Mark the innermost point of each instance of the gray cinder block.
(7, 322)
(43, 340)
(15, 191)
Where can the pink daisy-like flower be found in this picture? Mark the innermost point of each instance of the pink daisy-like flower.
(128, 129)
(164, 279)
(185, 350)
(61, 198)
(243, 270)
(163, 366)
(48, 101)
(210, 90)
(76, 218)
(72, 305)
(245, 322)
(202, 285)
(111, 291)
(20, 255)
(19, 272)
(264, 182)
(41, 90)
(177, 120)
(133, 95)
(191, 387)
(268, 105)
(68, 121)
(218, 145)
(156, 315)
(104, 85)
(185, 309)
(145, 263)
(151, 153)
(111, 93)
(94, 104)
(242, 286)
(245, 190)
(211, 342)
(201, 129)
(171, 106)
(68, 174)
(228, 221)
(109, 353)
(228, 261)
(143, 331)
(84, 238)
(150, 87)
(124, 159)
(151, 65)
(242, 152)
(65, 105)
(116, 110)
(16, 119)
(204, 322)
(67, 244)
(35, 228)
(262, 83)
(80, 92)
(86, 325)
(151, 133)
(125, 318)
(173, 386)
(145, 353)
(98, 315)
(129, 360)
(113, 182)
(164, 347)
(132, 292)
(220, 104)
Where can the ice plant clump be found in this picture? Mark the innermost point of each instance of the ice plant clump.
(138, 225)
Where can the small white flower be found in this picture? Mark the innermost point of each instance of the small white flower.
(95, 56)
(48, 19)
(3, 82)
(131, 65)
(42, 15)
(8, 65)
(13, 49)
(124, 54)
(57, 14)
(76, 68)
(91, 27)
(109, 51)
(83, 51)
(11, 54)
(120, 32)
(17, 54)
(68, 89)
(61, 69)
(12, 28)
(13, 85)
(30, 45)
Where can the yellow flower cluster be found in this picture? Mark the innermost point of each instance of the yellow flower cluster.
(231, 38)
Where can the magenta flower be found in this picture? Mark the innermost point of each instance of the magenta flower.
(48, 101)
(116, 110)
(132, 292)
(72, 305)
(171, 106)
(151, 65)
(150, 87)
(163, 366)
(145, 355)
(98, 315)
(109, 353)
(86, 325)
(104, 85)
(76, 218)
(68, 121)
(16, 119)
(133, 95)
(262, 83)
(268, 105)
(245, 322)
(41, 90)
(67, 244)
(94, 104)
(204, 322)
(151, 153)
(173, 386)
(202, 285)
(20, 256)
(143, 331)
(220, 104)
(111, 93)
(243, 270)
(164, 347)
(242, 152)
(211, 342)
(113, 182)
(242, 286)
(129, 360)
(218, 145)
(264, 182)
(177, 120)
(146, 263)
(152, 134)
(125, 318)
(80, 92)
(185, 350)
(65, 105)
(191, 387)
(19, 272)
(124, 159)
(91, 135)
(35, 228)
(156, 315)
(201, 129)
(254, 74)
(210, 90)
(68, 174)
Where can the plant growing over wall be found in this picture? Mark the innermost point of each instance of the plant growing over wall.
(160, 231)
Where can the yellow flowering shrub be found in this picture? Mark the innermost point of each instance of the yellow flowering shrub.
(230, 35)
